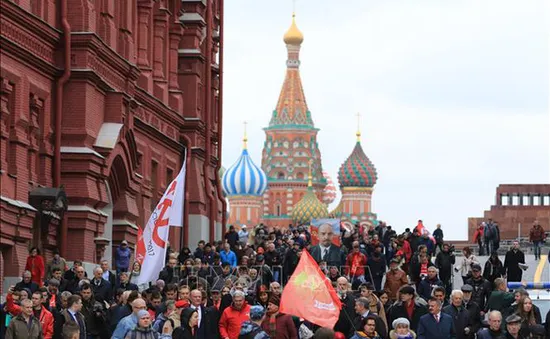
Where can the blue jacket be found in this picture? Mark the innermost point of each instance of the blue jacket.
(428, 328)
(230, 258)
(122, 257)
(125, 325)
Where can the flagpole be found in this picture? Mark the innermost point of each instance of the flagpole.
(187, 162)
(182, 236)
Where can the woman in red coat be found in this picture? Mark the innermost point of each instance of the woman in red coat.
(35, 264)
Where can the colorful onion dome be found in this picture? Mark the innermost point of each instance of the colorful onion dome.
(293, 36)
(309, 207)
(244, 177)
(357, 170)
(329, 193)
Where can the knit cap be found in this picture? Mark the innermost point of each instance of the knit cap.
(142, 313)
(256, 312)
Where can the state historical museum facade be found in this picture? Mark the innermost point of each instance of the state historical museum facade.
(105, 99)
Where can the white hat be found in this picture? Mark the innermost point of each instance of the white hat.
(401, 321)
(244, 226)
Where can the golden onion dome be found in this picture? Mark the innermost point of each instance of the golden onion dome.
(308, 208)
(293, 36)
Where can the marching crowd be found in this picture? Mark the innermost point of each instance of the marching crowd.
(397, 286)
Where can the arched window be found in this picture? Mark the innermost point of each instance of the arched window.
(300, 176)
(280, 175)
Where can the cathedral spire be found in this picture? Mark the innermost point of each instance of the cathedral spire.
(292, 110)
(358, 133)
(245, 138)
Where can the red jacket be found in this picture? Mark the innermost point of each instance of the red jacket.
(37, 268)
(46, 317)
(537, 233)
(355, 264)
(478, 235)
(232, 320)
(407, 250)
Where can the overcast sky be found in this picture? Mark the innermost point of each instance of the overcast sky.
(453, 95)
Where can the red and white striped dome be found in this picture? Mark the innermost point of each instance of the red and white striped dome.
(329, 193)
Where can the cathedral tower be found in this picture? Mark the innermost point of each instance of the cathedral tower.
(357, 177)
(244, 183)
(291, 142)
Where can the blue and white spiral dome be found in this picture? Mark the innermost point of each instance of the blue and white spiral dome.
(244, 178)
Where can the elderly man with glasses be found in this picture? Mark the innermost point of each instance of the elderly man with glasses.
(129, 322)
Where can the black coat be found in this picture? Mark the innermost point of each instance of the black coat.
(461, 320)
(347, 314)
(426, 287)
(377, 267)
(492, 271)
(438, 235)
(398, 311)
(103, 291)
(168, 276)
(444, 263)
(547, 325)
(511, 268)
(475, 315)
(209, 329)
(289, 263)
(335, 255)
(127, 286)
(95, 317)
(482, 291)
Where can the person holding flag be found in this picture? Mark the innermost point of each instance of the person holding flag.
(319, 303)
(152, 241)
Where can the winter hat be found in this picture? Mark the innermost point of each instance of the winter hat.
(257, 312)
(401, 321)
(407, 290)
(275, 299)
(142, 313)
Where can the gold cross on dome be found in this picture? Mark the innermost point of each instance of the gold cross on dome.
(358, 134)
(245, 139)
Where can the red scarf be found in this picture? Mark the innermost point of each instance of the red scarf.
(410, 308)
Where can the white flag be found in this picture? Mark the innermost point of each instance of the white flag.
(152, 245)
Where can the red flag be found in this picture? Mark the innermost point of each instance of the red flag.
(309, 294)
(314, 230)
(140, 247)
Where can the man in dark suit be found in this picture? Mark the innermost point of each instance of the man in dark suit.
(326, 251)
(362, 310)
(208, 317)
(102, 289)
(107, 274)
(435, 325)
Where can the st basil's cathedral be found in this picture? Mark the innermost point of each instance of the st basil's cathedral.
(290, 186)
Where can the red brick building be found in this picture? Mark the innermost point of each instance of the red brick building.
(104, 98)
(516, 205)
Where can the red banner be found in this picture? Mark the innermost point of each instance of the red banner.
(318, 301)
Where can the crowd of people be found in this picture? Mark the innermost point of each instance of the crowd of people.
(390, 285)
